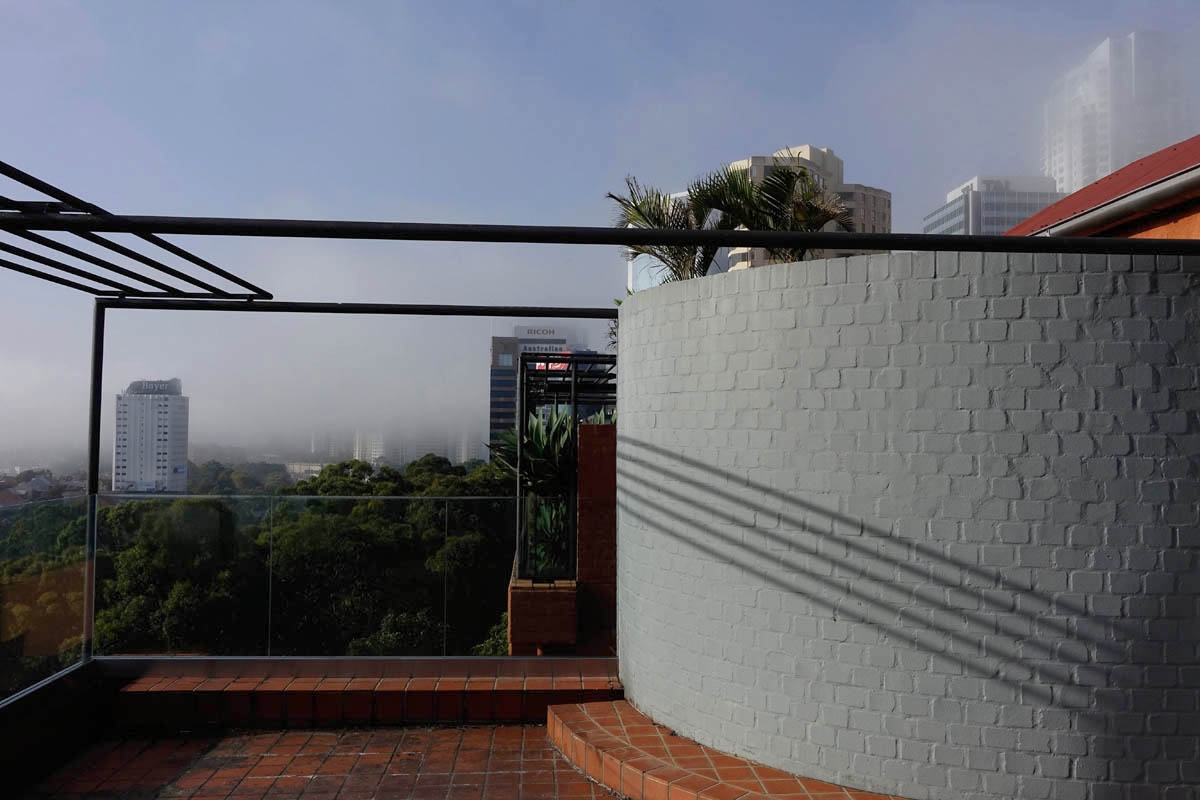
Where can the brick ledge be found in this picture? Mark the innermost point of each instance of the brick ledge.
(625, 751)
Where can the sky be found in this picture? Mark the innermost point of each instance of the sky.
(522, 112)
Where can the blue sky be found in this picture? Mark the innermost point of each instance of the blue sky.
(522, 112)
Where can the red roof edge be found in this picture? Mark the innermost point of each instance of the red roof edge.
(1137, 175)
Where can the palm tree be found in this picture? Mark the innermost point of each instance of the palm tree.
(787, 199)
(650, 208)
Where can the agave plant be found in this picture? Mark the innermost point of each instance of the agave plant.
(547, 464)
(547, 476)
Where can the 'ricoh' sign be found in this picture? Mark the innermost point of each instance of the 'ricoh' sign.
(536, 334)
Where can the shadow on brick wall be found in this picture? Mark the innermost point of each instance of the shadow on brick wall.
(1101, 670)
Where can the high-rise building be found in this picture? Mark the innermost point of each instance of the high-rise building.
(1130, 97)
(369, 447)
(150, 440)
(506, 353)
(430, 442)
(989, 206)
(468, 447)
(869, 207)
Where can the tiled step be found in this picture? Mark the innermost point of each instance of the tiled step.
(171, 703)
(625, 751)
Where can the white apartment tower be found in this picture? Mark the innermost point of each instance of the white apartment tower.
(150, 441)
(1129, 98)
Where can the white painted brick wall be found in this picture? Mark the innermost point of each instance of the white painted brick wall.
(926, 525)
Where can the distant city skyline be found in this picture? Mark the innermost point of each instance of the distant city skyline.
(522, 113)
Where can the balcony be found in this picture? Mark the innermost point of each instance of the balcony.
(919, 524)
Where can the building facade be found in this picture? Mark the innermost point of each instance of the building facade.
(869, 206)
(369, 446)
(150, 439)
(1129, 98)
(989, 206)
(506, 356)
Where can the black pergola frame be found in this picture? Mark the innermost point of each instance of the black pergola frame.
(72, 215)
(595, 385)
(67, 206)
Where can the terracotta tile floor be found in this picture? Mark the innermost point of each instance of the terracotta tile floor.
(620, 747)
(465, 762)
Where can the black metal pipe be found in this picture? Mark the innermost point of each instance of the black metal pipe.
(545, 234)
(82, 255)
(34, 182)
(148, 261)
(94, 397)
(200, 262)
(79, 204)
(46, 276)
(67, 268)
(93, 480)
(194, 295)
(396, 309)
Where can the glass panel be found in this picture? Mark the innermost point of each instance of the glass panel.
(302, 575)
(351, 576)
(42, 556)
(476, 564)
(182, 575)
(547, 529)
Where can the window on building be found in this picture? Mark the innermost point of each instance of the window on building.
(504, 360)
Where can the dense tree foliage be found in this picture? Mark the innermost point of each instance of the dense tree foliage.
(331, 566)
(213, 477)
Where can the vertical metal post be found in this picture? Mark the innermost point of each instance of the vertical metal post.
(521, 499)
(445, 579)
(93, 481)
(270, 569)
(573, 494)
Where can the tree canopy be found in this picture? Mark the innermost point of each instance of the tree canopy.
(355, 560)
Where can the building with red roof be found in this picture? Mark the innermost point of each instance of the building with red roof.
(1156, 197)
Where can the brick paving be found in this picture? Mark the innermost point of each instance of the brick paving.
(628, 752)
(471, 763)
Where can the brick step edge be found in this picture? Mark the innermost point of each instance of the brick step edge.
(629, 771)
(209, 704)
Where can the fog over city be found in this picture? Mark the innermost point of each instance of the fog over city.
(520, 112)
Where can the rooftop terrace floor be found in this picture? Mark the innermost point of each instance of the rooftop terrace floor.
(472, 763)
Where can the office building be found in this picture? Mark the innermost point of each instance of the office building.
(1130, 97)
(150, 439)
(990, 206)
(506, 354)
(869, 207)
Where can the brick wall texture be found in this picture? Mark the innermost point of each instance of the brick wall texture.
(927, 525)
(596, 541)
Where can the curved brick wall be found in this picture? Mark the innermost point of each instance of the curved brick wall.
(921, 526)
